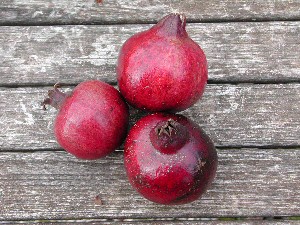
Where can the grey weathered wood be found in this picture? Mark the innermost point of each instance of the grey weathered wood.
(55, 185)
(236, 52)
(136, 11)
(233, 115)
(162, 221)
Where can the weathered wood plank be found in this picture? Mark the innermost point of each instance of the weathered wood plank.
(137, 11)
(55, 185)
(236, 52)
(233, 115)
(167, 221)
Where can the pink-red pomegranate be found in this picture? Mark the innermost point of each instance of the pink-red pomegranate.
(92, 120)
(169, 159)
(162, 69)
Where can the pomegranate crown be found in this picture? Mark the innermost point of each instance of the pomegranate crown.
(55, 97)
(172, 25)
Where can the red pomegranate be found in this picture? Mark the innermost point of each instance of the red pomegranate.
(92, 121)
(169, 159)
(162, 69)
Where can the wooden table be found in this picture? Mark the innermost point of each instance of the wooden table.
(251, 110)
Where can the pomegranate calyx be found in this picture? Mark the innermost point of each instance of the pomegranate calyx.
(173, 25)
(56, 97)
(168, 136)
(167, 128)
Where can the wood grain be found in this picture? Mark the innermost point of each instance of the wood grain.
(250, 109)
(233, 115)
(162, 221)
(236, 52)
(55, 185)
(137, 11)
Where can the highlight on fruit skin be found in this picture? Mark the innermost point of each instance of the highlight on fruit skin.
(162, 68)
(92, 120)
(169, 159)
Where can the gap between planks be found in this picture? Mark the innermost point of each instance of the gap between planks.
(120, 150)
(72, 85)
(148, 22)
(168, 221)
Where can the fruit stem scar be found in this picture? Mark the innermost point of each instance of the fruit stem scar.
(56, 97)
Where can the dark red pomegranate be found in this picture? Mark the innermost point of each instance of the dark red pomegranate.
(162, 69)
(92, 120)
(169, 159)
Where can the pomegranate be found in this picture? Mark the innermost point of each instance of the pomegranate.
(169, 159)
(92, 121)
(162, 69)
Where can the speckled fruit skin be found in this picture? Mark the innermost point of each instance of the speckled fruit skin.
(177, 177)
(162, 69)
(92, 121)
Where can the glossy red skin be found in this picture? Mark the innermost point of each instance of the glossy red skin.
(162, 69)
(92, 122)
(176, 178)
